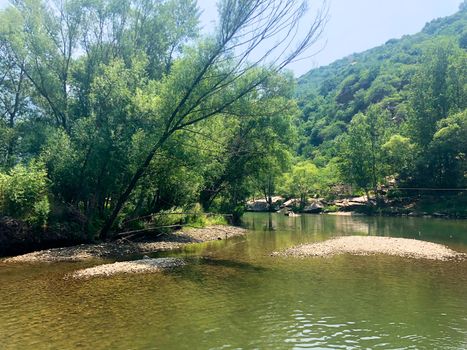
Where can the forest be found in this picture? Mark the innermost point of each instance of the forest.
(396, 111)
(112, 112)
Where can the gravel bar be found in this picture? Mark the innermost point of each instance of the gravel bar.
(370, 245)
(125, 248)
(136, 266)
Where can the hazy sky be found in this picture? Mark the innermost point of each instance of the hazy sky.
(357, 25)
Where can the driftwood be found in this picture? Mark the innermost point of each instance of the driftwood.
(134, 233)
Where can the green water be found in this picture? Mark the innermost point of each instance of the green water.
(234, 295)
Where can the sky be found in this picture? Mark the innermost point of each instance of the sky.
(356, 25)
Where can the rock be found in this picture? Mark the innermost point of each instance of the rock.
(361, 200)
(417, 214)
(294, 202)
(345, 213)
(258, 205)
(291, 214)
(354, 203)
(261, 205)
(314, 208)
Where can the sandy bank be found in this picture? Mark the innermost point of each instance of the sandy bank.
(125, 248)
(366, 245)
(136, 266)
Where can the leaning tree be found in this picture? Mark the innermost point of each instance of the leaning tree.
(84, 60)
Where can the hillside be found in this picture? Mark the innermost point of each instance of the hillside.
(331, 96)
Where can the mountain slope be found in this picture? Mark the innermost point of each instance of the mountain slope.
(331, 96)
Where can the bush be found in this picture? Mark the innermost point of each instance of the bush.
(24, 193)
(199, 219)
(192, 217)
(331, 209)
(394, 194)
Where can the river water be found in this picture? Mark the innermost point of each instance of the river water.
(234, 295)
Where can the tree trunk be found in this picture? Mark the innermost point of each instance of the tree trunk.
(104, 232)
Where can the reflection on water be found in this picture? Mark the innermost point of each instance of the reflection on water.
(233, 294)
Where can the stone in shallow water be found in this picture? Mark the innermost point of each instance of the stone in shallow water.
(368, 245)
(136, 266)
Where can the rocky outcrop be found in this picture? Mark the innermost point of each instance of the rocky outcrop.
(261, 205)
(315, 207)
(354, 203)
(291, 203)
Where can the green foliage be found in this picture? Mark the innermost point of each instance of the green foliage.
(133, 112)
(454, 205)
(199, 219)
(193, 216)
(447, 160)
(306, 179)
(399, 154)
(362, 162)
(437, 89)
(463, 40)
(24, 193)
(302, 181)
(394, 111)
(331, 208)
(150, 115)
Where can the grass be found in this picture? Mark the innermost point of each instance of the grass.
(203, 220)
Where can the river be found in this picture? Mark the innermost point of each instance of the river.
(234, 295)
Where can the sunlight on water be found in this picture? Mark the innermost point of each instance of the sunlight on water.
(234, 295)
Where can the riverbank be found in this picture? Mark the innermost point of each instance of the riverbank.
(439, 206)
(124, 248)
(371, 245)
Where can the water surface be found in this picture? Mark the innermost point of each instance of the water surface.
(234, 295)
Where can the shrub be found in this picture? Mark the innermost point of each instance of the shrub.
(331, 208)
(199, 219)
(24, 193)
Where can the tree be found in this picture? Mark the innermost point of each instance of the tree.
(255, 152)
(206, 84)
(303, 181)
(438, 89)
(446, 160)
(13, 102)
(24, 193)
(463, 40)
(115, 82)
(362, 163)
(399, 154)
